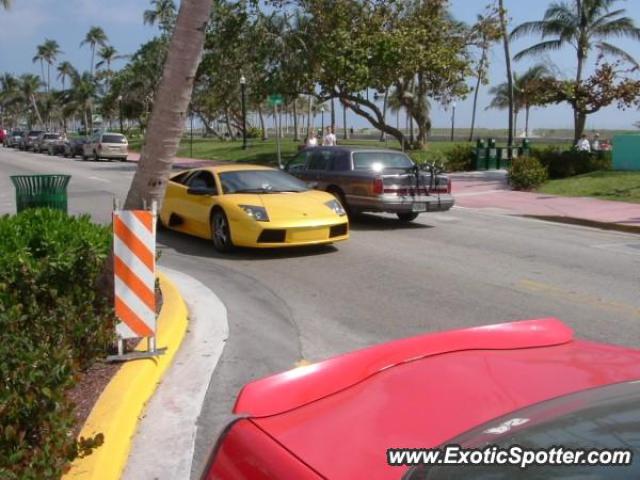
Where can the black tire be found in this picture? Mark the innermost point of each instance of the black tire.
(84, 157)
(407, 216)
(50, 152)
(96, 158)
(221, 232)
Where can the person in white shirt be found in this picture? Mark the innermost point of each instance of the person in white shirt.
(583, 144)
(312, 140)
(329, 139)
(595, 144)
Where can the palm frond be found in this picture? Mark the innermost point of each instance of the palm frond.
(614, 51)
(539, 48)
(528, 28)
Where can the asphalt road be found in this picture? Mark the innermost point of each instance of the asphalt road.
(456, 269)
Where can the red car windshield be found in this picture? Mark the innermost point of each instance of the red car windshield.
(601, 418)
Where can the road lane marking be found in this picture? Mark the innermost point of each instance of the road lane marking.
(100, 179)
(585, 299)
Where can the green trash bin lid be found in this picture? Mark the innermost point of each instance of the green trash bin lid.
(41, 191)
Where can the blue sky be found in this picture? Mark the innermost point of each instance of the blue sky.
(29, 22)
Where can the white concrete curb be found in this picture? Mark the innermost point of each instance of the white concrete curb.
(164, 443)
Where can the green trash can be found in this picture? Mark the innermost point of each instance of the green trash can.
(41, 191)
(481, 155)
(525, 150)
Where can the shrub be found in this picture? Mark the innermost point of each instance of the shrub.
(568, 163)
(422, 157)
(53, 323)
(527, 173)
(461, 158)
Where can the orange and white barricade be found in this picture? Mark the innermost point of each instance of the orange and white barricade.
(134, 265)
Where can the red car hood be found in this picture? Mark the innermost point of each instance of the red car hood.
(341, 416)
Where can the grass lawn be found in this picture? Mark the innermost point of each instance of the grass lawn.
(621, 186)
(265, 152)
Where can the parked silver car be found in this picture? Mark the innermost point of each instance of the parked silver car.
(106, 145)
(45, 140)
(374, 180)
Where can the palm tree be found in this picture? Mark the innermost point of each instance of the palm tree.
(51, 50)
(507, 55)
(9, 95)
(81, 97)
(6, 4)
(585, 25)
(29, 86)
(41, 53)
(108, 54)
(170, 106)
(525, 93)
(163, 12)
(65, 69)
(95, 36)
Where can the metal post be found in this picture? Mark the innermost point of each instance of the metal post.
(244, 112)
(453, 120)
(277, 137)
(191, 137)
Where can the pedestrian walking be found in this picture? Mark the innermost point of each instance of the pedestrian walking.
(312, 140)
(583, 144)
(329, 140)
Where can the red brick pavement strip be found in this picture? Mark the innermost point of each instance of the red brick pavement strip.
(490, 190)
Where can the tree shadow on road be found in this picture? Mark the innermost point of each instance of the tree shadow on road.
(366, 223)
(198, 247)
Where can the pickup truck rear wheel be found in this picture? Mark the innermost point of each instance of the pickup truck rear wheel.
(407, 216)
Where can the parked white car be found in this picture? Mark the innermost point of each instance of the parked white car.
(106, 145)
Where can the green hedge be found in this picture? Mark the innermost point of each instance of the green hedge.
(527, 173)
(562, 163)
(54, 323)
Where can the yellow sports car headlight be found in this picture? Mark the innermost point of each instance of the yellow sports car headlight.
(336, 207)
(259, 214)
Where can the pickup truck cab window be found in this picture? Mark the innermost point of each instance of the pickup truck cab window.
(298, 163)
(341, 162)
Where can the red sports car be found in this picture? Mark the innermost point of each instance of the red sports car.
(529, 384)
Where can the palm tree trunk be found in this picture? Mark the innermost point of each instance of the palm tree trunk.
(296, 138)
(344, 121)
(265, 135)
(93, 51)
(507, 57)
(333, 114)
(48, 77)
(34, 104)
(309, 114)
(42, 71)
(476, 92)
(384, 113)
(174, 94)
(526, 121)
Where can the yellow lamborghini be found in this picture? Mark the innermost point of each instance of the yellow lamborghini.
(251, 206)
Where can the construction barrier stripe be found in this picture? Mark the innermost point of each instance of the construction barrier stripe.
(144, 219)
(121, 251)
(131, 319)
(134, 273)
(134, 243)
(128, 277)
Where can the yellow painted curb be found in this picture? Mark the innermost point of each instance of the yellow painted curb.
(120, 405)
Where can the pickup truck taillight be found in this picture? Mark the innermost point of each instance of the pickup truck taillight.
(378, 186)
(443, 188)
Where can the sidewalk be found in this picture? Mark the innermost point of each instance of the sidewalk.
(490, 190)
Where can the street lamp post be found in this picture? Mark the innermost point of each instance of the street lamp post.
(191, 133)
(453, 119)
(322, 116)
(243, 83)
(120, 113)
